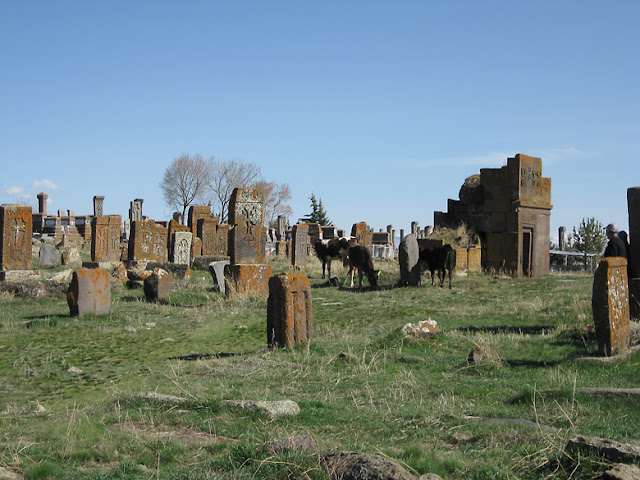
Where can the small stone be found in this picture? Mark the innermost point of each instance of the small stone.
(296, 443)
(273, 409)
(423, 329)
(32, 373)
(129, 328)
(74, 371)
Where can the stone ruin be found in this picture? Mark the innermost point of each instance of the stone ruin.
(510, 208)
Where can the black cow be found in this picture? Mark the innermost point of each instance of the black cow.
(360, 259)
(332, 249)
(440, 259)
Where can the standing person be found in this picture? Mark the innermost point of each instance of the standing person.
(615, 247)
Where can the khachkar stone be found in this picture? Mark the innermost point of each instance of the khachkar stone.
(160, 247)
(182, 248)
(105, 238)
(299, 239)
(289, 310)
(135, 210)
(89, 292)
(409, 260)
(206, 231)
(16, 224)
(142, 241)
(247, 236)
(610, 303)
(197, 212)
(42, 203)
(247, 279)
(281, 228)
(98, 204)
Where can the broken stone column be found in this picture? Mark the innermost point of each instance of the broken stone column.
(610, 304)
(89, 292)
(289, 310)
(409, 260)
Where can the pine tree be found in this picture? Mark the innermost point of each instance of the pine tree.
(589, 237)
(318, 213)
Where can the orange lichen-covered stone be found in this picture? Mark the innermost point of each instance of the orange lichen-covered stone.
(289, 310)
(474, 260)
(16, 224)
(247, 279)
(89, 292)
(610, 303)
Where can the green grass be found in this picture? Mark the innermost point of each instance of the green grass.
(410, 400)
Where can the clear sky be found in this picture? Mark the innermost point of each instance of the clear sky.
(379, 108)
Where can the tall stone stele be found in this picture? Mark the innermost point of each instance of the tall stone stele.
(98, 205)
(16, 225)
(610, 303)
(247, 237)
(289, 310)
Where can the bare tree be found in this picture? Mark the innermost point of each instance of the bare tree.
(227, 175)
(276, 200)
(185, 180)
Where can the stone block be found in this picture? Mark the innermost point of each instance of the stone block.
(217, 273)
(461, 259)
(289, 310)
(89, 292)
(177, 270)
(247, 279)
(196, 213)
(206, 231)
(474, 260)
(409, 261)
(48, 256)
(16, 225)
(196, 248)
(142, 240)
(71, 257)
(157, 285)
(610, 303)
(247, 235)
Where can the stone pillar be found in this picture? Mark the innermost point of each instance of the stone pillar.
(299, 240)
(562, 231)
(217, 273)
(414, 228)
(89, 292)
(610, 304)
(401, 234)
(633, 204)
(98, 204)
(16, 225)
(178, 217)
(281, 228)
(408, 258)
(247, 237)
(182, 247)
(135, 210)
(289, 310)
(42, 203)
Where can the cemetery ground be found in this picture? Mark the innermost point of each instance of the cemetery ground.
(140, 393)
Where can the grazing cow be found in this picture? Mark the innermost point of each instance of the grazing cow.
(360, 258)
(332, 249)
(440, 259)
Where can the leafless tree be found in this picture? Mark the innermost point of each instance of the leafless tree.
(276, 200)
(187, 179)
(227, 175)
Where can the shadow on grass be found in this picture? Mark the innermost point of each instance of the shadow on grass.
(533, 330)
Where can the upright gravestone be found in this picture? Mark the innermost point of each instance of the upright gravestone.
(42, 203)
(197, 212)
(281, 228)
(16, 225)
(610, 303)
(98, 205)
(160, 247)
(48, 256)
(289, 310)
(409, 260)
(89, 292)
(182, 248)
(105, 238)
(247, 237)
(142, 240)
(135, 210)
(206, 231)
(300, 240)
(562, 232)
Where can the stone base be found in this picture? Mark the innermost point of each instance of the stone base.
(247, 279)
(19, 275)
(202, 262)
(109, 266)
(177, 270)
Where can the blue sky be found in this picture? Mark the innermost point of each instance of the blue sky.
(379, 108)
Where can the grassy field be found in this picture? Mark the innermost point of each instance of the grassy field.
(417, 402)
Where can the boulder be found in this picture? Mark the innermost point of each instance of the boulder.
(273, 409)
(362, 466)
(71, 258)
(622, 472)
(48, 256)
(423, 329)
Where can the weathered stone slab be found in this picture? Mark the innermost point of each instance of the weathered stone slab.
(142, 240)
(357, 466)
(217, 272)
(194, 215)
(105, 238)
(610, 304)
(605, 447)
(474, 260)
(273, 409)
(409, 261)
(19, 275)
(157, 285)
(48, 256)
(247, 237)
(89, 292)
(196, 248)
(622, 471)
(71, 257)
(16, 225)
(98, 205)
(182, 248)
(289, 310)
(206, 231)
(202, 262)
(247, 279)
(461, 257)
(300, 242)
(177, 270)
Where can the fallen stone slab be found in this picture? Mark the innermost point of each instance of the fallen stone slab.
(9, 475)
(273, 409)
(605, 447)
(292, 443)
(25, 289)
(622, 472)
(362, 466)
(162, 398)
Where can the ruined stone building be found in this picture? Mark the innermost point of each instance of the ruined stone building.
(510, 208)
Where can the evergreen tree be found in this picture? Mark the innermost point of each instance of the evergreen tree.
(318, 213)
(589, 237)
